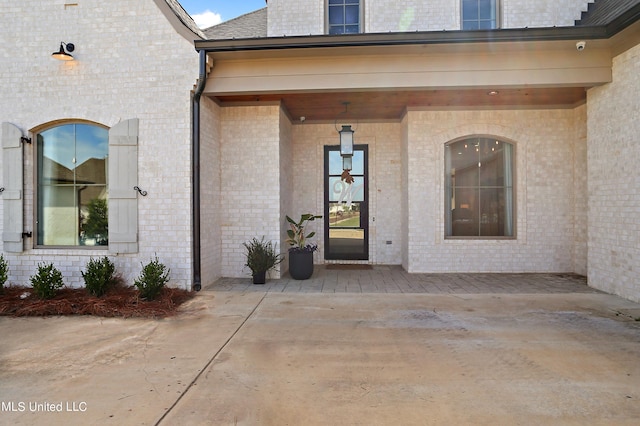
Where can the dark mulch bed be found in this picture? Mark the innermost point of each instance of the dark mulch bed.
(118, 302)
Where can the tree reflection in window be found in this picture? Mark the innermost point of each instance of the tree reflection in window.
(72, 188)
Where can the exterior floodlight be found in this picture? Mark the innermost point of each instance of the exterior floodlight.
(61, 54)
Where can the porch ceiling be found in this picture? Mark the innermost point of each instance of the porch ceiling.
(390, 105)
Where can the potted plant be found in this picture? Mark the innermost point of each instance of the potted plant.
(262, 256)
(301, 252)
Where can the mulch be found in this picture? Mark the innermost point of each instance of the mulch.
(121, 301)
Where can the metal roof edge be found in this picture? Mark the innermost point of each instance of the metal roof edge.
(409, 38)
(623, 21)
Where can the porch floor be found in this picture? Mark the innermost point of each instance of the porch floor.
(394, 279)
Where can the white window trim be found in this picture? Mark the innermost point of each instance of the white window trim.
(361, 26)
(498, 16)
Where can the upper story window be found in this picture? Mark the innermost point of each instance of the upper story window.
(479, 14)
(344, 16)
(72, 173)
(479, 176)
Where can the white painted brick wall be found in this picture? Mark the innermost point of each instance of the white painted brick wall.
(580, 192)
(383, 140)
(550, 170)
(411, 15)
(295, 17)
(130, 63)
(210, 178)
(250, 182)
(287, 183)
(614, 179)
(304, 17)
(542, 13)
(544, 194)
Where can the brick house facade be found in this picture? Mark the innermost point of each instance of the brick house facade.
(414, 84)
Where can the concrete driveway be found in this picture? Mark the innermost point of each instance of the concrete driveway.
(272, 358)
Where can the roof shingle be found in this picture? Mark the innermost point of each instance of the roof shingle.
(250, 25)
(603, 12)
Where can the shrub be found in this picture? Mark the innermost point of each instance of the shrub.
(262, 255)
(4, 272)
(297, 236)
(46, 281)
(152, 279)
(99, 276)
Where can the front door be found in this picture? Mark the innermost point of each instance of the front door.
(346, 208)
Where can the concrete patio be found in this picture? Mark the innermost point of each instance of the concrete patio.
(393, 279)
(338, 349)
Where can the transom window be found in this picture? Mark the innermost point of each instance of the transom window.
(479, 188)
(72, 185)
(344, 16)
(479, 14)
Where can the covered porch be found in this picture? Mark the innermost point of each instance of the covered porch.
(272, 108)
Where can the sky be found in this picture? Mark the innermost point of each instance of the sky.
(211, 12)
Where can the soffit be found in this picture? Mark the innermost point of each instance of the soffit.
(390, 105)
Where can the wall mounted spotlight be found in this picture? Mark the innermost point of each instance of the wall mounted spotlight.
(61, 54)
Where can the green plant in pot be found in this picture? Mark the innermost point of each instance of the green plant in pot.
(262, 256)
(300, 250)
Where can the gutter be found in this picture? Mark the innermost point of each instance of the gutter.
(585, 32)
(407, 38)
(195, 167)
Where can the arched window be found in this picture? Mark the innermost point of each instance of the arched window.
(72, 175)
(479, 176)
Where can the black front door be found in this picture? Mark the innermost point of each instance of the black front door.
(346, 208)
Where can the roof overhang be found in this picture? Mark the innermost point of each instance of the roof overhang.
(511, 35)
(528, 64)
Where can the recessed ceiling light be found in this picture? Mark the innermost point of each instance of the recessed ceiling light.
(492, 93)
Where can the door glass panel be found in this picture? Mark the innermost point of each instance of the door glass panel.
(346, 206)
(343, 216)
(340, 191)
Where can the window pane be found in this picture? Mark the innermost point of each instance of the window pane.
(464, 212)
(72, 175)
(57, 161)
(340, 191)
(335, 163)
(92, 146)
(94, 229)
(464, 163)
(351, 29)
(470, 25)
(344, 16)
(57, 219)
(469, 10)
(336, 15)
(487, 9)
(479, 14)
(351, 15)
(486, 25)
(492, 212)
(479, 187)
(491, 163)
(357, 165)
(344, 216)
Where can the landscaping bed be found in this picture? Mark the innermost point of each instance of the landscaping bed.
(119, 301)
